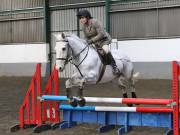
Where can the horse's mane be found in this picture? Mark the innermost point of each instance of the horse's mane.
(74, 37)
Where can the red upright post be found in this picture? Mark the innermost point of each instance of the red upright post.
(175, 96)
(35, 113)
(56, 92)
(38, 85)
(24, 112)
(52, 106)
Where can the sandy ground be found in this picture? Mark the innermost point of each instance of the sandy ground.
(13, 89)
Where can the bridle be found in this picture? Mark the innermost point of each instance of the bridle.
(70, 59)
(66, 60)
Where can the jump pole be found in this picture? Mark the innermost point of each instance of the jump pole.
(117, 109)
(149, 101)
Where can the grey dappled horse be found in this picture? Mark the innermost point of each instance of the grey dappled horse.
(88, 64)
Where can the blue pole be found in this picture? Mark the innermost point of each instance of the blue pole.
(50, 97)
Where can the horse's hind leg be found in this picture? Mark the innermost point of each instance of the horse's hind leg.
(122, 85)
(133, 90)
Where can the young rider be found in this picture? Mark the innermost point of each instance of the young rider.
(95, 34)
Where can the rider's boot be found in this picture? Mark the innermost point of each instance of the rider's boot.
(113, 64)
(72, 101)
(81, 101)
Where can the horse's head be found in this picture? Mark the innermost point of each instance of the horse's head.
(61, 49)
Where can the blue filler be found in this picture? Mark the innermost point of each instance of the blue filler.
(108, 120)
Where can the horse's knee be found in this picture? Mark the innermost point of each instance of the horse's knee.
(123, 88)
(121, 81)
(82, 83)
(68, 83)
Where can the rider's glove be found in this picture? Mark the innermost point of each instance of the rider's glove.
(89, 41)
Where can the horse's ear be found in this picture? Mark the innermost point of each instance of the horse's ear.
(63, 35)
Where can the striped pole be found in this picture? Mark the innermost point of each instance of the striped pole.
(114, 100)
(117, 109)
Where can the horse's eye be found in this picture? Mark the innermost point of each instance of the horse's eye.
(64, 49)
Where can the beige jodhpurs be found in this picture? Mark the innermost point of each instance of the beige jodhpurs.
(106, 48)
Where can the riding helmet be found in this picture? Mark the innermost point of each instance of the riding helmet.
(84, 13)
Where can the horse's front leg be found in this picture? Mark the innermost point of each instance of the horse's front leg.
(75, 82)
(89, 77)
(133, 90)
(72, 101)
(81, 99)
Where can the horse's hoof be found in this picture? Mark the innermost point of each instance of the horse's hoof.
(130, 105)
(133, 95)
(73, 102)
(81, 102)
(125, 95)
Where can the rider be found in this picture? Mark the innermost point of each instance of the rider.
(95, 34)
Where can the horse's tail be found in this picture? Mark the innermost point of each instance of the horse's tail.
(136, 76)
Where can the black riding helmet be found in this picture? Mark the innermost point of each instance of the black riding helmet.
(84, 13)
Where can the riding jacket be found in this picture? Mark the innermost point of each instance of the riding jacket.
(95, 32)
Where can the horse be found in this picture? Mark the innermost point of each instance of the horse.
(89, 66)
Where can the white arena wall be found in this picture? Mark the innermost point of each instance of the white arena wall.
(21, 59)
(152, 58)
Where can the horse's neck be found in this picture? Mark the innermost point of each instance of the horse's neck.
(77, 45)
(80, 49)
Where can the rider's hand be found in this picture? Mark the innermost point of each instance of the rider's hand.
(89, 41)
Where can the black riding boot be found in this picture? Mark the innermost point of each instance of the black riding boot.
(113, 64)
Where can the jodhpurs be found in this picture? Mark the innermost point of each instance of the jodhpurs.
(106, 48)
